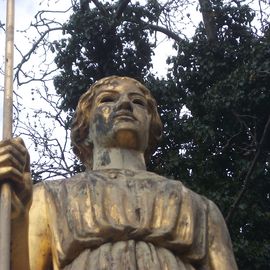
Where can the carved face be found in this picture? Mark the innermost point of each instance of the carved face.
(120, 117)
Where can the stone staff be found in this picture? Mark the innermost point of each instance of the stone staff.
(5, 199)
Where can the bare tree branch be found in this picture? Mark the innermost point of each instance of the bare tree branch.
(27, 56)
(84, 5)
(163, 30)
(101, 8)
(118, 14)
(122, 6)
(2, 26)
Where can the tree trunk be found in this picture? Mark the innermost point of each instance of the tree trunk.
(208, 20)
(84, 4)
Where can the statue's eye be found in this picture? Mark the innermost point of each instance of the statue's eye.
(139, 102)
(106, 99)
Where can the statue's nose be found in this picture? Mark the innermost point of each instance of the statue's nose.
(124, 103)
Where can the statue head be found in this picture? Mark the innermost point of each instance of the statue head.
(81, 126)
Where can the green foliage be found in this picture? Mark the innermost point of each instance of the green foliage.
(100, 46)
(224, 85)
(226, 89)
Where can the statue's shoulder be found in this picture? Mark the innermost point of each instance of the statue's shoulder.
(200, 200)
(186, 191)
(62, 182)
(191, 195)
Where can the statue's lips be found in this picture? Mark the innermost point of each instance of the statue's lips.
(124, 115)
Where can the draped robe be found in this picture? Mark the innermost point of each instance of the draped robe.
(120, 219)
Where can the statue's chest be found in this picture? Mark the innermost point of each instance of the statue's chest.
(90, 212)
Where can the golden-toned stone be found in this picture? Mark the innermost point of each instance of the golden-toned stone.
(117, 215)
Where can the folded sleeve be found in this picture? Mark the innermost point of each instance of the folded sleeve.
(220, 252)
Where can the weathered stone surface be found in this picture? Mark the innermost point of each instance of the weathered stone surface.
(116, 215)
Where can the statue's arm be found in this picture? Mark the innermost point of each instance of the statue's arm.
(15, 170)
(28, 214)
(19, 236)
(39, 236)
(31, 247)
(220, 251)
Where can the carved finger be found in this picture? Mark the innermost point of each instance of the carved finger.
(8, 160)
(4, 142)
(26, 194)
(12, 175)
(10, 150)
(19, 144)
(27, 164)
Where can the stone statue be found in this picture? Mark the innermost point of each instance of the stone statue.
(115, 215)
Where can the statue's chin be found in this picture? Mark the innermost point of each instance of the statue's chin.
(128, 139)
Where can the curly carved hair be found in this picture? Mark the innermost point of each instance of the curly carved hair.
(81, 121)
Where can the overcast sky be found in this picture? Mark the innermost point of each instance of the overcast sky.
(24, 14)
(23, 10)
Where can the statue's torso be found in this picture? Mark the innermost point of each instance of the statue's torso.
(123, 220)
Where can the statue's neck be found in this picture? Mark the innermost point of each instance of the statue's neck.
(118, 158)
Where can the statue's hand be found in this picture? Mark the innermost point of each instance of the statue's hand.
(15, 170)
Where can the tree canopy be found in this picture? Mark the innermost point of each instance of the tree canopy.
(221, 75)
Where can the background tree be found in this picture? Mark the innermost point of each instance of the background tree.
(221, 75)
(224, 82)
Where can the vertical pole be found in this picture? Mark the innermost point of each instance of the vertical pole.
(8, 86)
(5, 199)
(5, 202)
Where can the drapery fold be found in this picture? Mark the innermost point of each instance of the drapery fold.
(117, 217)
